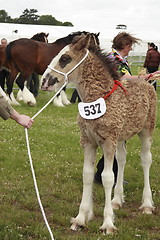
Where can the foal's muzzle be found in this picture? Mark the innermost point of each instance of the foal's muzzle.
(48, 81)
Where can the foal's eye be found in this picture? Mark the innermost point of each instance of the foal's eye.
(64, 60)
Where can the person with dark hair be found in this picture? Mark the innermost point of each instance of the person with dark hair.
(152, 60)
(122, 45)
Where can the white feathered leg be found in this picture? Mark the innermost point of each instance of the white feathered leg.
(58, 101)
(12, 100)
(28, 97)
(86, 207)
(118, 198)
(146, 159)
(4, 94)
(19, 95)
(108, 181)
(65, 101)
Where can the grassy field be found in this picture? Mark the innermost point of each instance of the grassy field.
(58, 161)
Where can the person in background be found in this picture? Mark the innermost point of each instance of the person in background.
(6, 112)
(3, 42)
(75, 96)
(152, 60)
(122, 45)
(4, 73)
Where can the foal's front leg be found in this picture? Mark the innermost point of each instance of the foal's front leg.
(86, 207)
(108, 181)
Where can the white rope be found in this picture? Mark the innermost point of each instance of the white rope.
(49, 101)
(35, 185)
(31, 162)
(27, 140)
(77, 65)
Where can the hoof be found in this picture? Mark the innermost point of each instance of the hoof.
(108, 230)
(116, 206)
(31, 104)
(58, 104)
(75, 226)
(147, 210)
(67, 103)
(14, 103)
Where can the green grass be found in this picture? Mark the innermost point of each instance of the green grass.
(58, 162)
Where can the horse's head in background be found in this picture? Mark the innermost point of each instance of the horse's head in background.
(41, 37)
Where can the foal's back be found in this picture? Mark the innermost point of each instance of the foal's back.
(127, 114)
(140, 107)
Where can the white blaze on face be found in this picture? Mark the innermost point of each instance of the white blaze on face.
(55, 59)
(53, 63)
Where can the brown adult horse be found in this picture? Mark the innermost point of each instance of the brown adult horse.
(42, 37)
(27, 56)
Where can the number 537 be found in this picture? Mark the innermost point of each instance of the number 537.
(92, 109)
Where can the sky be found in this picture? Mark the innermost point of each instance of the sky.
(101, 15)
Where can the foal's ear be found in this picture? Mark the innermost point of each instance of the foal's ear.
(82, 43)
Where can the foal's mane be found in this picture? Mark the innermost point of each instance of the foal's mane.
(109, 64)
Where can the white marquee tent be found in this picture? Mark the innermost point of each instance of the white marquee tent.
(13, 31)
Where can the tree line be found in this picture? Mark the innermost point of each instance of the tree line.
(30, 16)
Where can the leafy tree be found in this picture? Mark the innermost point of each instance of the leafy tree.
(68, 24)
(4, 16)
(29, 16)
(50, 20)
(47, 20)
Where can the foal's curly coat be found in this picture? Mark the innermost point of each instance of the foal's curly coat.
(128, 113)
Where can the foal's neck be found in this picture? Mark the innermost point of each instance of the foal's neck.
(95, 80)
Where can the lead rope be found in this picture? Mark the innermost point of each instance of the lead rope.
(36, 187)
(31, 162)
(27, 139)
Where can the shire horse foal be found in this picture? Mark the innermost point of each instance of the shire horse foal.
(13, 70)
(130, 109)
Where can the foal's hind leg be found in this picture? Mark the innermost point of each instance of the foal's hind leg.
(86, 207)
(146, 159)
(118, 198)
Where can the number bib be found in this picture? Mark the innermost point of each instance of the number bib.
(92, 110)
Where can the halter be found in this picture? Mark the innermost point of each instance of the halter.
(66, 74)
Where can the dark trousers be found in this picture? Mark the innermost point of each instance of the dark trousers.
(75, 96)
(151, 70)
(100, 167)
